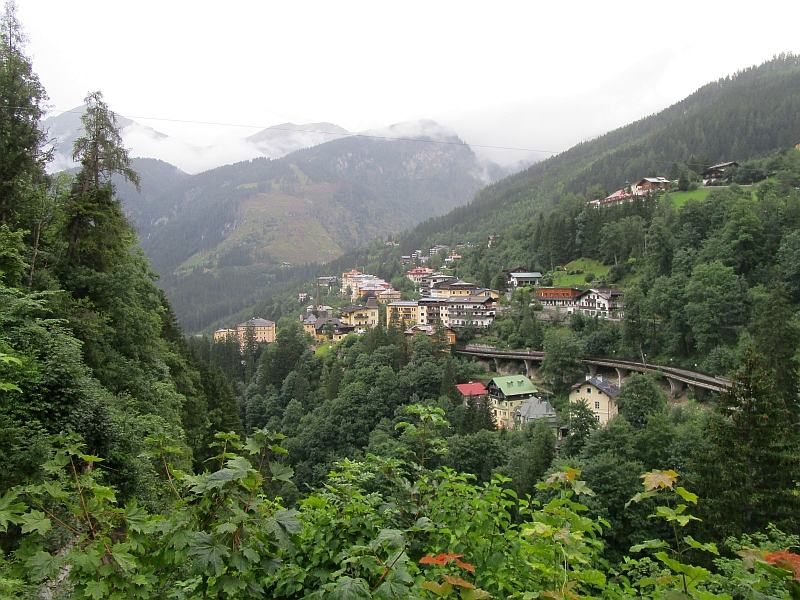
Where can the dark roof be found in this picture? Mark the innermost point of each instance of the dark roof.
(722, 166)
(602, 384)
(534, 409)
(257, 323)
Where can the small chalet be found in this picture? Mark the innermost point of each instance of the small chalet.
(558, 296)
(474, 389)
(506, 394)
(797, 146)
(510, 271)
(649, 184)
(599, 395)
(523, 279)
(430, 331)
(717, 172)
(601, 303)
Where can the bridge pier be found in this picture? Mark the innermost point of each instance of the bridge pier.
(528, 367)
(675, 387)
(496, 364)
(621, 374)
(592, 370)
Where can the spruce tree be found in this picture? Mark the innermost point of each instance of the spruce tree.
(748, 480)
(22, 97)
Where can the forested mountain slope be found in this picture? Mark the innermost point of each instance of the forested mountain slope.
(743, 116)
(311, 205)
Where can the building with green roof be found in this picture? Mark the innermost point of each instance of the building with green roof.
(507, 393)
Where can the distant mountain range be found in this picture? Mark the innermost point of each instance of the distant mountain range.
(273, 142)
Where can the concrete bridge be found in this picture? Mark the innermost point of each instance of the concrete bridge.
(677, 378)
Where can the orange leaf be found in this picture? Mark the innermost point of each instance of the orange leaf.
(433, 560)
(785, 560)
(466, 566)
(455, 580)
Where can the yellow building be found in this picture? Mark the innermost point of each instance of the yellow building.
(506, 394)
(221, 335)
(361, 317)
(263, 331)
(403, 311)
(599, 394)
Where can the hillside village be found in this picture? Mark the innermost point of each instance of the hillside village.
(436, 303)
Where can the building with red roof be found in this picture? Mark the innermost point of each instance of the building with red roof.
(474, 388)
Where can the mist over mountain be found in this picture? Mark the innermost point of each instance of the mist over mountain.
(272, 142)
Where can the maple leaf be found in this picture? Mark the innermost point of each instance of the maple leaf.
(785, 560)
(663, 479)
(456, 580)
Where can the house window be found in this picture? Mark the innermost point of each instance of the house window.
(597, 405)
(597, 417)
(588, 390)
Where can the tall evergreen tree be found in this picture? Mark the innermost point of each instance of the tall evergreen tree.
(748, 481)
(22, 97)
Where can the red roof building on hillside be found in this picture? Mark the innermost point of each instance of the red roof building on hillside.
(475, 389)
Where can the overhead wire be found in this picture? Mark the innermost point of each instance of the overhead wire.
(370, 136)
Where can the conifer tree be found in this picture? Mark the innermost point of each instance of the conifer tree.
(22, 157)
(748, 480)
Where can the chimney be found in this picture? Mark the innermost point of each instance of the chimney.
(599, 377)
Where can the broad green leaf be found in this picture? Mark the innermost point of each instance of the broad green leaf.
(9, 387)
(592, 577)
(440, 589)
(10, 511)
(649, 544)
(281, 472)
(348, 588)
(288, 521)
(475, 594)
(686, 495)
(580, 487)
(102, 492)
(709, 547)
(36, 520)
(209, 552)
(392, 537)
(214, 481)
(125, 559)
(391, 590)
(96, 589)
(43, 565)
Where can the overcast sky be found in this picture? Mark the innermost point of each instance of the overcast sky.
(531, 75)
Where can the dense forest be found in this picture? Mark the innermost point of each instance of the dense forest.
(142, 465)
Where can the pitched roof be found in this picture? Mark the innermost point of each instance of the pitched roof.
(257, 323)
(472, 389)
(602, 384)
(535, 408)
(514, 385)
(534, 275)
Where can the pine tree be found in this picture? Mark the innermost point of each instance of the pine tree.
(748, 480)
(22, 157)
(98, 234)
